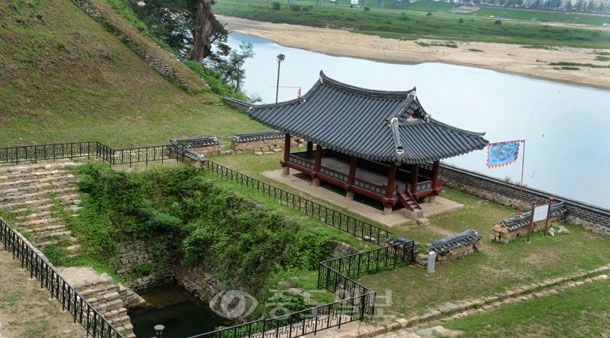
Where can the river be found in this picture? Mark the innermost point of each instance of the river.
(566, 128)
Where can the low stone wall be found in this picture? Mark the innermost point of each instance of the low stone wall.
(587, 216)
(466, 243)
(255, 142)
(199, 145)
(515, 227)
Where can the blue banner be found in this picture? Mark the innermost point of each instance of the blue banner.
(502, 153)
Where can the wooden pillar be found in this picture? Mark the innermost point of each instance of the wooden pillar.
(316, 166)
(414, 175)
(309, 149)
(389, 193)
(351, 178)
(435, 172)
(285, 168)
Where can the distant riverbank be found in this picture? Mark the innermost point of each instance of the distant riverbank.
(508, 58)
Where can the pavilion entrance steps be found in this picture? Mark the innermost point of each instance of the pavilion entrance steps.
(409, 201)
(32, 191)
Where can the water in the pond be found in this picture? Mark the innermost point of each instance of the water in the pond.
(180, 313)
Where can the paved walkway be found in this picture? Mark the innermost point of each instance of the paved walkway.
(26, 310)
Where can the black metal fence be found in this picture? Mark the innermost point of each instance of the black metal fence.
(90, 149)
(334, 218)
(35, 153)
(301, 323)
(71, 301)
(363, 262)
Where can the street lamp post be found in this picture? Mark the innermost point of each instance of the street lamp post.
(280, 58)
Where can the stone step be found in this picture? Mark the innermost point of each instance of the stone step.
(105, 307)
(60, 193)
(29, 207)
(48, 225)
(73, 249)
(33, 185)
(44, 239)
(30, 167)
(120, 321)
(34, 216)
(55, 176)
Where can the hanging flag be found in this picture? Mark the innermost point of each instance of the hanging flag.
(299, 93)
(501, 154)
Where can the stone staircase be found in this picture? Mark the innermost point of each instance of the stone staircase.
(32, 191)
(109, 298)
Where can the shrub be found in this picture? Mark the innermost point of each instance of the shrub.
(498, 22)
(295, 8)
(276, 6)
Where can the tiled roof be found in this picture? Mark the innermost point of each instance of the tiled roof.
(196, 142)
(375, 125)
(265, 135)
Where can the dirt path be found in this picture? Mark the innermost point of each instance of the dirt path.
(25, 309)
(507, 58)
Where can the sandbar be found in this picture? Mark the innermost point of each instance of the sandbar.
(507, 58)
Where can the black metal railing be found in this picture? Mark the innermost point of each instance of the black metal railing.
(58, 151)
(71, 301)
(301, 323)
(360, 263)
(334, 218)
(90, 149)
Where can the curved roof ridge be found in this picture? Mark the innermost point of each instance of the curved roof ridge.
(442, 124)
(279, 104)
(325, 80)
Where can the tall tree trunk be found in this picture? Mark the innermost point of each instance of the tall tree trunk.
(204, 19)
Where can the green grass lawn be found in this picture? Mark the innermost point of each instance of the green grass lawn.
(576, 312)
(500, 267)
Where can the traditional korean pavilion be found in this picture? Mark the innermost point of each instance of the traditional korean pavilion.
(380, 144)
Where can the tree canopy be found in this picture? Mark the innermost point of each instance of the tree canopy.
(188, 26)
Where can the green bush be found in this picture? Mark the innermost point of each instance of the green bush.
(276, 6)
(217, 86)
(178, 212)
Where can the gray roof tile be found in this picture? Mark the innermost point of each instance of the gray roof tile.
(357, 122)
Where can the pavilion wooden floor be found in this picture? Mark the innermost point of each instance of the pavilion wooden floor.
(302, 182)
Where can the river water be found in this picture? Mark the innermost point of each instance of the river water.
(566, 128)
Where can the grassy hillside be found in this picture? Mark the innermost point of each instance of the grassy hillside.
(64, 78)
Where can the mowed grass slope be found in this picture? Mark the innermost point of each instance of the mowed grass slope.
(64, 78)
